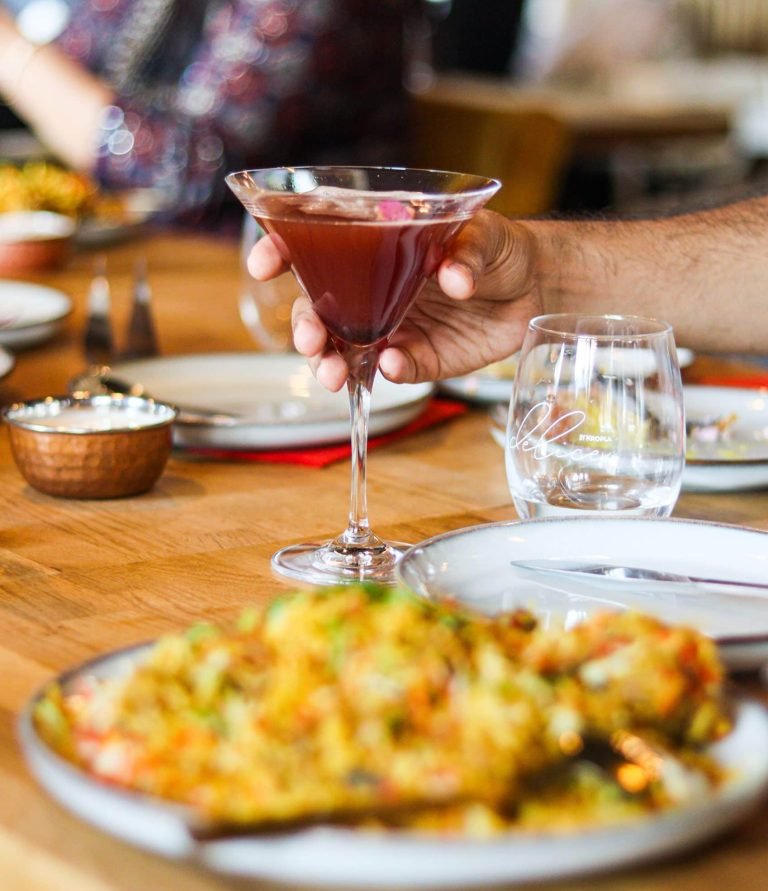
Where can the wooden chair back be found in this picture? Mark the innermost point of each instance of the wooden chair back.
(526, 149)
(726, 26)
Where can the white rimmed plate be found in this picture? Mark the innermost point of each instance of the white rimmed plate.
(7, 362)
(474, 566)
(737, 460)
(737, 463)
(494, 382)
(30, 313)
(261, 400)
(34, 225)
(137, 208)
(347, 858)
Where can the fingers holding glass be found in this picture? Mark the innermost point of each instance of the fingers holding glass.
(362, 243)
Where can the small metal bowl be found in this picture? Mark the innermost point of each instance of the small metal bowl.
(106, 446)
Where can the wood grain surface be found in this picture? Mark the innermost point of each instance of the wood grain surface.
(78, 578)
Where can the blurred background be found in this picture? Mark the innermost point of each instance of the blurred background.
(628, 107)
(632, 107)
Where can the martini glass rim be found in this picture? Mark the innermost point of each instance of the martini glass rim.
(484, 186)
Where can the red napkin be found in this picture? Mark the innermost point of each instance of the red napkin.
(756, 380)
(437, 411)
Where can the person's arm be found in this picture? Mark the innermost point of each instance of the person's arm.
(705, 273)
(57, 98)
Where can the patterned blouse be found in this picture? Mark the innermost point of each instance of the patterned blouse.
(207, 86)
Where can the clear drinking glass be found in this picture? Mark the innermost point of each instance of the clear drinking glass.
(265, 307)
(361, 241)
(596, 421)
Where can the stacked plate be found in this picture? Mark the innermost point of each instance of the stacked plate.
(728, 439)
(256, 400)
(30, 313)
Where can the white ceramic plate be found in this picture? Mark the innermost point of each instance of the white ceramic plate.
(494, 383)
(739, 459)
(139, 207)
(7, 361)
(346, 858)
(474, 566)
(34, 225)
(30, 313)
(260, 400)
(737, 463)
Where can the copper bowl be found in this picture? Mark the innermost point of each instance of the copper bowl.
(106, 446)
(31, 240)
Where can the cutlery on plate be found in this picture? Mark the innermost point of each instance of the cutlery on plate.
(101, 380)
(629, 573)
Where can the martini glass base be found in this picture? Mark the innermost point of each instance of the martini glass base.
(327, 564)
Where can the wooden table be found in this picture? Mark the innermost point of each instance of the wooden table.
(81, 578)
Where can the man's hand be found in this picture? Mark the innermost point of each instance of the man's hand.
(473, 312)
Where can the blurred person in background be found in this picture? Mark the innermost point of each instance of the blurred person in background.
(171, 94)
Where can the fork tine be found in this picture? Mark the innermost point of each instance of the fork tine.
(98, 343)
(141, 339)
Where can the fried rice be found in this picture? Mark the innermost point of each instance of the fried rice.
(371, 706)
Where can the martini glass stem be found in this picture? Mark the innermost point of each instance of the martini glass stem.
(363, 364)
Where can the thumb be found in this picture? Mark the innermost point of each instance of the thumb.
(492, 256)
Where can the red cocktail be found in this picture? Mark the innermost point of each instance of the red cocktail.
(361, 275)
(362, 242)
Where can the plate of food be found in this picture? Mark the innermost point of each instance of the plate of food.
(30, 313)
(101, 217)
(40, 185)
(727, 438)
(254, 400)
(366, 737)
(493, 383)
(480, 566)
(7, 362)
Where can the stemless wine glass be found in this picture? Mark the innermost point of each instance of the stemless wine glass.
(362, 241)
(596, 419)
(265, 307)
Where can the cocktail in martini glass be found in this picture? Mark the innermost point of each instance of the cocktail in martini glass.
(362, 242)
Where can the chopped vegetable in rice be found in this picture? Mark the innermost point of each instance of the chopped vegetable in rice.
(369, 705)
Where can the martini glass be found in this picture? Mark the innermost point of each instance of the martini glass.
(362, 242)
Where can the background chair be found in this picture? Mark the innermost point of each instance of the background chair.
(726, 26)
(526, 149)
